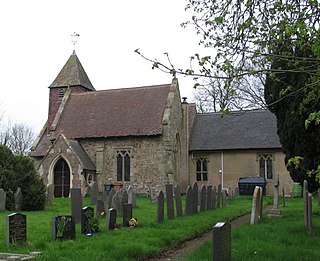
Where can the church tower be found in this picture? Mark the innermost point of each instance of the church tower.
(73, 77)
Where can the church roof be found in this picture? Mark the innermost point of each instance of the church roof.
(238, 130)
(72, 74)
(113, 113)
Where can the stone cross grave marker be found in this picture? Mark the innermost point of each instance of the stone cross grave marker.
(94, 193)
(195, 202)
(209, 197)
(127, 214)
(170, 206)
(100, 209)
(87, 213)
(275, 211)
(3, 197)
(203, 198)
(111, 195)
(16, 228)
(214, 198)
(111, 218)
(177, 195)
(189, 201)
(222, 241)
(160, 207)
(76, 203)
(256, 205)
(18, 199)
(63, 227)
(219, 195)
(50, 194)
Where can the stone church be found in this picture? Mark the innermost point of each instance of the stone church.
(147, 137)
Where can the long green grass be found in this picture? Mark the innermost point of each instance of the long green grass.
(148, 239)
(283, 238)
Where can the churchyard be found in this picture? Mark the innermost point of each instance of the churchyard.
(163, 223)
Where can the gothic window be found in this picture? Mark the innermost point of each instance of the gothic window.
(202, 169)
(123, 165)
(265, 166)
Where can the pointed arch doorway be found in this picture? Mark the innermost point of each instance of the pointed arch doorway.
(61, 179)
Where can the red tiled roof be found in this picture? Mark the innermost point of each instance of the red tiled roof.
(114, 113)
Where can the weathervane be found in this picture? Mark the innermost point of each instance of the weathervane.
(74, 39)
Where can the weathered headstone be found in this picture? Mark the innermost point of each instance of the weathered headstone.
(76, 203)
(209, 197)
(189, 201)
(111, 218)
(116, 203)
(111, 195)
(16, 228)
(170, 206)
(160, 207)
(275, 211)
(195, 202)
(219, 196)
(124, 197)
(94, 193)
(203, 198)
(127, 214)
(100, 209)
(18, 199)
(236, 191)
(224, 198)
(214, 197)
(104, 196)
(310, 215)
(222, 241)
(177, 195)
(152, 194)
(3, 197)
(131, 197)
(87, 213)
(256, 205)
(50, 194)
(63, 227)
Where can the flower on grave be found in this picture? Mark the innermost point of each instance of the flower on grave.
(61, 224)
(93, 225)
(133, 222)
(102, 214)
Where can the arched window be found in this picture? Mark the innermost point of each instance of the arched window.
(123, 165)
(61, 180)
(265, 166)
(202, 169)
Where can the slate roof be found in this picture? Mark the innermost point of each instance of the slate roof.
(238, 130)
(83, 156)
(72, 74)
(113, 113)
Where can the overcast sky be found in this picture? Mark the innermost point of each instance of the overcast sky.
(36, 43)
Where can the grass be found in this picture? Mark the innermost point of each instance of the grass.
(283, 238)
(149, 239)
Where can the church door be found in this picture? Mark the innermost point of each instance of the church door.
(61, 179)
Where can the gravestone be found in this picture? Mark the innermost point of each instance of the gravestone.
(236, 191)
(76, 203)
(50, 194)
(170, 206)
(120, 198)
(111, 195)
(152, 195)
(3, 197)
(275, 211)
(131, 197)
(283, 198)
(100, 209)
(111, 218)
(177, 195)
(203, 198)
(209, 197)
(189, 201)
(195, 202)
(224, 198)
(222, 241)
(94, 191)
(219, 196)
(305, 201)
(309, 214)
(256, 205)
(124, 197)
(127, 214)
(214, 198)
(18, 199)
(87, 213)
(160, 207)
(104, 196)
(16, 228)
(63, 227)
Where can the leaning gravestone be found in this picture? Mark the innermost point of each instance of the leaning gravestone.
(63, 227)
(18, 199)
(195, 197)
(256, 205)
(111, 195)
(87, 213)
(160, 207)
(76, 203)
(222, 241)
(219, 196)
(50, 194)
(203, 197)
(127, 214)
(177, 195)
(16, 228)
(209, 197)
(100, 208)
(170, 206)
(111, 218)
(189, 201)
(94, 193)
(3, 197)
